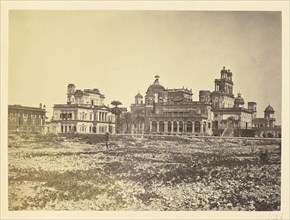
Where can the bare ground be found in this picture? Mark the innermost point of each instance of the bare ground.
(77, 172)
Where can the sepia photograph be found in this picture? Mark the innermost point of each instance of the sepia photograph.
(158, 109)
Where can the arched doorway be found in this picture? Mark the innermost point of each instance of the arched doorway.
(189, 127)
(197, 127)
(270, 135)
(161, 126)
(180, 126)
(154, 126)
(174, 126)
(169, 126)
(230, 123)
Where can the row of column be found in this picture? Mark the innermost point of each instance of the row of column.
(185, 128)
(101, 128)
(103, 116)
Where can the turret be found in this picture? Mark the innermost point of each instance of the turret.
(269, 112)
(204, 96)
(138, 99)
(70, 93)
(269, 116)
(252, 106)
(226, 74)
(71, 89)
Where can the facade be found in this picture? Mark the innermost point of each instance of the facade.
(24, 118)
(84, 112)
(218, 112)
(266, 127)
(229, 111)
(172, 111)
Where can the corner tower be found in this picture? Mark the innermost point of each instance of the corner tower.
(252, 106)
(70, 93)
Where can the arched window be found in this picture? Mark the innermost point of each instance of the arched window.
(29, 120)
(180, 126)
(169, 126)
(189, 127)
(204, 127)
(161, 126)
(175, 126)
(154, 126)
(197, 127)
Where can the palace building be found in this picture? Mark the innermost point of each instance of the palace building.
(229, 111)
(266, 127)
(172, 111)
(24, 118)
(84, 112)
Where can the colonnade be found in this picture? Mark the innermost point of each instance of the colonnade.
(103, 116)
(178, 126)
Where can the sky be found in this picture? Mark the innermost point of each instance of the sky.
(120, 52)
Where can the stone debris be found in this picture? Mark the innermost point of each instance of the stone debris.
(174, 174)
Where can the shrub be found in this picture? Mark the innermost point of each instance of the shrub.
(264, 156)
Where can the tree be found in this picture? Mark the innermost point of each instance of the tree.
(127, 120)
(116, 111)
(138, 117)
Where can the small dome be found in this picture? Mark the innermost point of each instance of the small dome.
(269, 109)
(156, 87)
(138, 95)
(71, 85)
(239, 100)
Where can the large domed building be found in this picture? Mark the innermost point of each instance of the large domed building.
(172, 111)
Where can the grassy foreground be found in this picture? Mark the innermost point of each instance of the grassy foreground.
(77, 172)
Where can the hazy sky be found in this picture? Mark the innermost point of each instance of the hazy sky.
(120, 52)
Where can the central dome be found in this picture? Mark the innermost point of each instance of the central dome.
(156, 87)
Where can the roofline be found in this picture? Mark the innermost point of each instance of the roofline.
(182, 103)
(20, 107)
(232, 110)
(80, 106)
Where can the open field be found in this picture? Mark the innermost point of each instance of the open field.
(77, 172)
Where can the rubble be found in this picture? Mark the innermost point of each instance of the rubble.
(174, 174)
